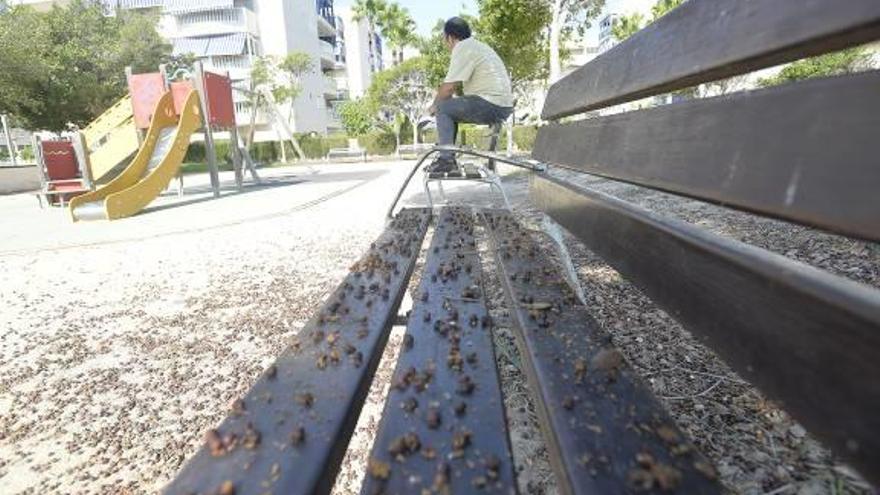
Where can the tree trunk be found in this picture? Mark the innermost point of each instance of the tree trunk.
(555, 35)
(252, 128)
(415, 126)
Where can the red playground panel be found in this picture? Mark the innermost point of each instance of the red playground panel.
(220, 106)
(179, 91)
(145, 89)
(62, 171)
(60, 160)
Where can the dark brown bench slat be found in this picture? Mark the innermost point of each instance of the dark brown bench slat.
(289, 433)
(805, 152)
(707, 40)
(445, 430)
(805, 337)
(607, 433)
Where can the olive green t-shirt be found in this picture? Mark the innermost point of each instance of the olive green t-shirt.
(481, 72)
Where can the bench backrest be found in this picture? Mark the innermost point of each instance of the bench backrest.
(805, 152)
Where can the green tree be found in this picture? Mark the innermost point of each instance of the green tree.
(517, 30)
(74, 61)
(628, 25)
(282, 76)
(662, 7)
(356, 117)
(398, 29)
(435, 55)
(370, 11)
(569, 17)
(402, 91)
(22, 36)
(832, 64)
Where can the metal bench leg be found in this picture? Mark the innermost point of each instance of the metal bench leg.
(496, 183)
(428, 193)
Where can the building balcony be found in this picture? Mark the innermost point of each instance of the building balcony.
(325, 27)
(212, 22)
(238, 66)
(330, 88)
(328, 55)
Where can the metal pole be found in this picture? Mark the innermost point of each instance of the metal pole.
(9, 145)
(210, 151)
(233, 145)
(82, 159)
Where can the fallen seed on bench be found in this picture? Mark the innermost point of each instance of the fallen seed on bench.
(409, 405)
(379, 469)
(227, 488)
(238, 407)
(305, 399)
(251, 438)
(298, 435)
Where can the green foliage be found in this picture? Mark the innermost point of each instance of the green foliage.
(356, 116)
(516, 29)
(578, 15)
(316, 147)
(398, 28)
(435, 55)
(68, 65)
(662, 7)
(282, 76)
(401, 93)
(378, 143)
(832, 64)
(627, 25)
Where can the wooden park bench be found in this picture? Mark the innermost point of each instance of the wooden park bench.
(336, 153)
(806, 153)
(413, 150)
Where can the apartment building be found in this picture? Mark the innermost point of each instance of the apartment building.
(228, 35)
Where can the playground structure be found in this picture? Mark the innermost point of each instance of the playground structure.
(155, 121)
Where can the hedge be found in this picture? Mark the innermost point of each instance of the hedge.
(376, 143)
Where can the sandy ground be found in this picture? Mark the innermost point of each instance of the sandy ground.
(121, 343)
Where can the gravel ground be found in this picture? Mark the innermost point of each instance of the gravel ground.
(115, 359)
(111, 370)
(757, 447)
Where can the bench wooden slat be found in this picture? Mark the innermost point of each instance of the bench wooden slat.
(707, 40)
(805, 337)
(291, 430)
(805, 152)
(606, 432)
(425, 441)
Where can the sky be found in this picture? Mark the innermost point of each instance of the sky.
(427, 12)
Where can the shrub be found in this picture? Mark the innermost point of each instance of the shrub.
(379, 143)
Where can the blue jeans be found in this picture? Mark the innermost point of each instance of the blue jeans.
(466, 109)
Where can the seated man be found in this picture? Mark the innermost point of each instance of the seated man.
(485, 84)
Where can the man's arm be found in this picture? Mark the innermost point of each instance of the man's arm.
(444, 92)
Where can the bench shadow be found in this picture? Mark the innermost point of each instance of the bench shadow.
(228, 188)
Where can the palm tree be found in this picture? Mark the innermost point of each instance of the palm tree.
(398, 28)
(371, 11)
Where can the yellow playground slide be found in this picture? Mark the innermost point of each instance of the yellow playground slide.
(111, 139)
(149, 173)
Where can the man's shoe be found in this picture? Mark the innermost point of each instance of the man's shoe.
(442, 166)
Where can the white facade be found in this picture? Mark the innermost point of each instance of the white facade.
(363, 59)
